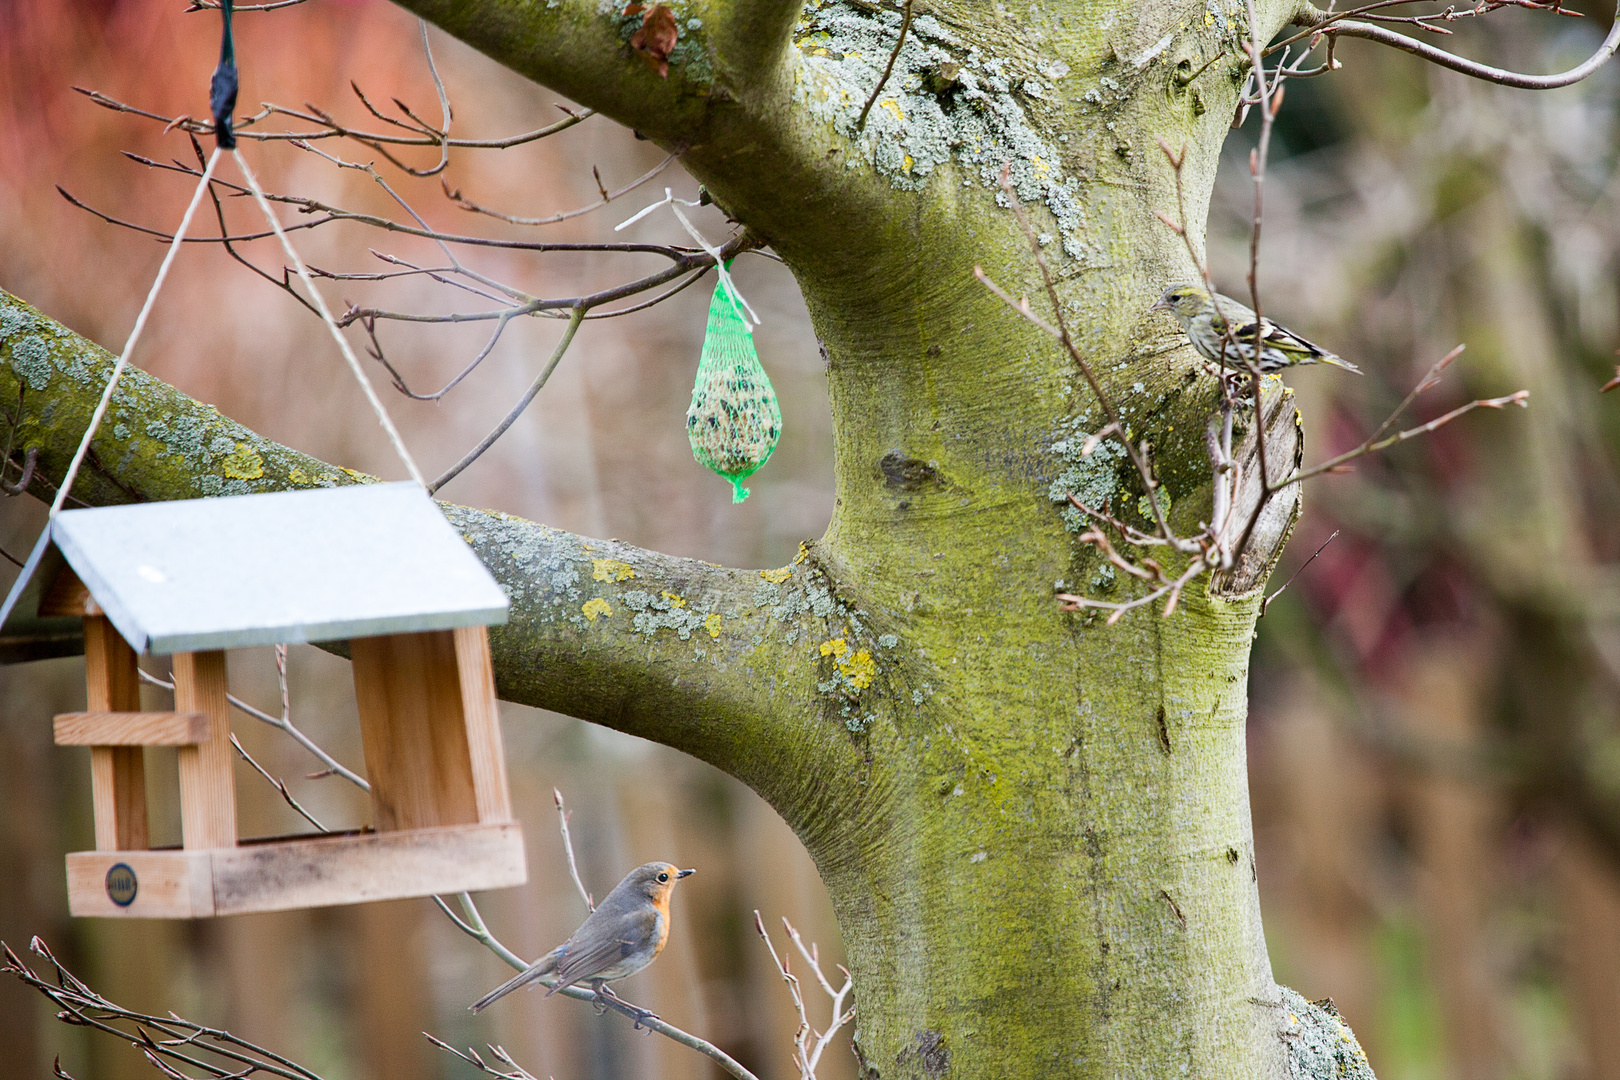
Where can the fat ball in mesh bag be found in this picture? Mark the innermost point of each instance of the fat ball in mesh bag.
(734, 420)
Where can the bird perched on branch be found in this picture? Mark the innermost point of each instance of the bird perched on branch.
(624, 934)
(1225, 331)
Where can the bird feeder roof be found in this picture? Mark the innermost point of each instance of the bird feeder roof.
(317, 565)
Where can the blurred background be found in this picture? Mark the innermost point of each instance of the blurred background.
(1435, 721)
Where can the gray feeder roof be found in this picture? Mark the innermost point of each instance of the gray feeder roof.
(318, 565)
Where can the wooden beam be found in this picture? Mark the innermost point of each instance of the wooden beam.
(130, 729)
(413, 730)
(207, 787)
(321, 871)
(477, 676)
(117, 773)
(164, 884)
(302, 872)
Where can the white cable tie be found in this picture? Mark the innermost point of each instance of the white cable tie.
(331, 323)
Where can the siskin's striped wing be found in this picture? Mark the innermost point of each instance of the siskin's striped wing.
(1280, 347)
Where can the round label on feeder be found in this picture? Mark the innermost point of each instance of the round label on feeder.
(121, 884)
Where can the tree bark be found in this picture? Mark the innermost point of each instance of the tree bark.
(1034, 827)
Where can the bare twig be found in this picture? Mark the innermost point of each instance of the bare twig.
(284, 724)
(1061, 332)
(517, 410)
(888, 69)
(1521, 398)
(329, 128)
(808, 1043)
(1325, 24)
(455, 196)
(563, 814)
(279, 785)
(1266, 603)
(513, 1070)
(166, 1041)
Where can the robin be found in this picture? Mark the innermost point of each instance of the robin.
(624, 934)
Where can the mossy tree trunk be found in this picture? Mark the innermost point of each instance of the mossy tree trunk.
(1034, 827)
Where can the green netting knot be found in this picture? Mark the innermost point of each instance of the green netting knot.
(734, 420)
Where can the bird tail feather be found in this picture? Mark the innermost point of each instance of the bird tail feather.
(535, 973)
(1339, 361)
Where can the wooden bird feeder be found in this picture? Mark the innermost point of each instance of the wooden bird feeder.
(377, 565)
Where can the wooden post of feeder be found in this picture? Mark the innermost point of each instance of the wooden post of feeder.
(112, 685)
(207, 786)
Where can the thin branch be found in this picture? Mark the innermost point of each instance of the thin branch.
(84, 1007)
(1110, 413)
(888, 69)
(284, 724)
(568, 846)
(279, 785)
(517, 410)
(1266, 603)
(472, 1058)
(1321, 23)
(456, 197)
(807, 1054)
(1520, 398)
(331, 128)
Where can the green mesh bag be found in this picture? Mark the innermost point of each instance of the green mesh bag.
(734, 420)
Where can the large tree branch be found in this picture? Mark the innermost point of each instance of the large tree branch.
(721, 663)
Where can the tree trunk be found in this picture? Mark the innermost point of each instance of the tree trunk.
(1034, 827)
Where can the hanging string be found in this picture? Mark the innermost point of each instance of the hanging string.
(745, 311)
(106, 395)
(331, 323)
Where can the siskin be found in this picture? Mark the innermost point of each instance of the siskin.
(1206, 324)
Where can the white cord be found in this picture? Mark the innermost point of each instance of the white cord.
(745, 311)
(43, 542)
(331, 323)
(134, 336)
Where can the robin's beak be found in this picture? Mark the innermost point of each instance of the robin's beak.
(684, 873)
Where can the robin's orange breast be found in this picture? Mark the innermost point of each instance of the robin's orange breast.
(661, 926)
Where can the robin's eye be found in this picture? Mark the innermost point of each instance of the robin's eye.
(663, 877)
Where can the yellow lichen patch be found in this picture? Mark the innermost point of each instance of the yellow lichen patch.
(908, 163)
(712, 625)
(611, 570)
(297, 475)
(859, 669)
(894, 107)
(776, 577)
(244, 463)
(596, 606)
(674, 601)
(804, 552)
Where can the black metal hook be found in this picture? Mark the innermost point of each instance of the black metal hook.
(222, 88)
